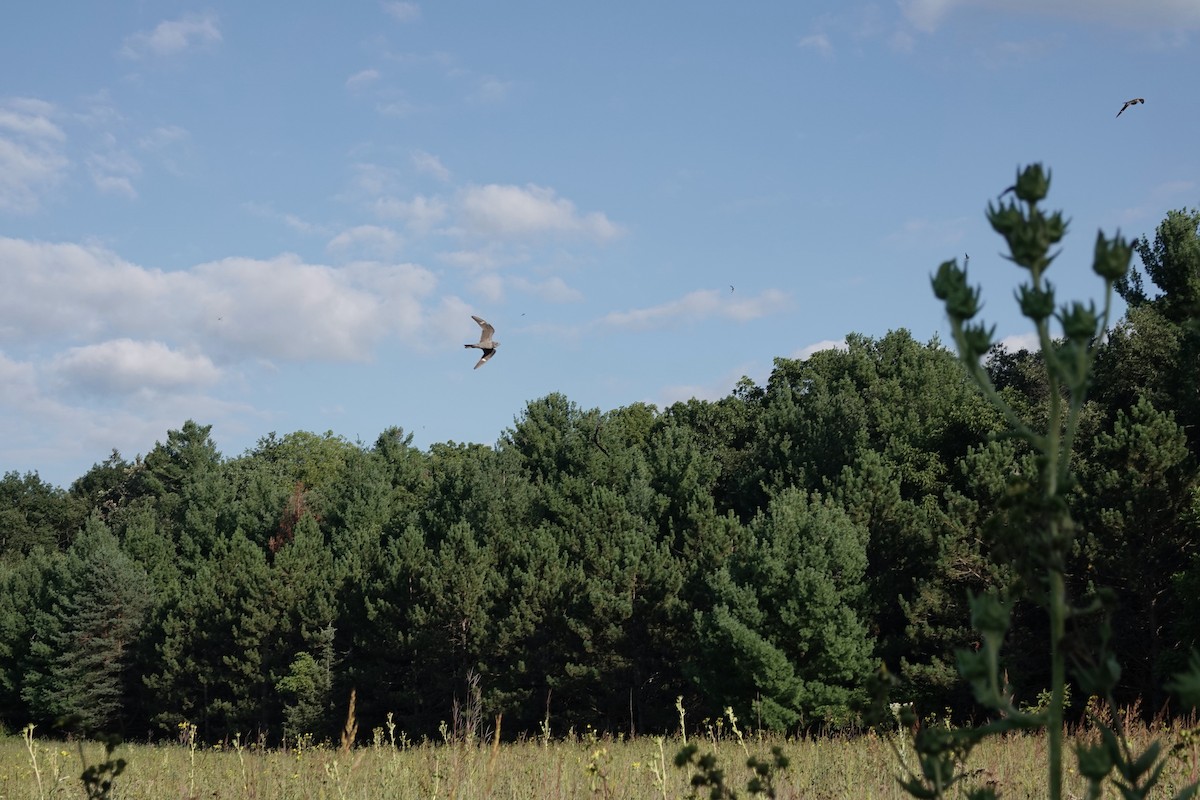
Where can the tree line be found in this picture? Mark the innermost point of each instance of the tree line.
(765, 551)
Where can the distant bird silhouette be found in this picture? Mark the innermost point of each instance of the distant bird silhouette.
(731, 288)
(1129, 103)
(485, 341)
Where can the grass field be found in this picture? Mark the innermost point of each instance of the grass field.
(588, 766)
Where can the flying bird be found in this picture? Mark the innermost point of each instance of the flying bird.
(1129, 103)
(485, 341)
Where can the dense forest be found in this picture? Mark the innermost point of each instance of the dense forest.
(765, 551)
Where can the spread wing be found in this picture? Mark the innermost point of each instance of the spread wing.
(488, 330)
(486, 355)
(1129, 103)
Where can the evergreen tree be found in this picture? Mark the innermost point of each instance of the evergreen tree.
(84, 640)
(787, 625)
(35, 514)
(1141, 482)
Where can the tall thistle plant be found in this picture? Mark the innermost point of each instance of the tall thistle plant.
(1034, 531)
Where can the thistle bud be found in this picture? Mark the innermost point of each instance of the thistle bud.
(950, 286)
(1079, 321)
(949, 277)
(977, 340)
(1004, 219)
(1112, 257)
(1037, 304)
(1033, 184)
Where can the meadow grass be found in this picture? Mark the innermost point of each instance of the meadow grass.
(862, 767)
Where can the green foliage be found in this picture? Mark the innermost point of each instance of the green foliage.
(35, 514)
(1034, 530)
(82, 644)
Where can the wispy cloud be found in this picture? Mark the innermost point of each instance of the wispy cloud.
(189, 32)
(818, 43)
(490, 89)
(113, 170)
(292, 221)
(482, 258)
(928, 15)
(551, 290)
(700, 305)
(402, 11)
(430, 164)
(505, 210)
(420, 214)
(367, 240)
(363, 78)
(163, 137)
(32, 156)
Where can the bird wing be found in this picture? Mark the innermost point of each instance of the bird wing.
(488, 330)
(1129, 103)
(486, 355)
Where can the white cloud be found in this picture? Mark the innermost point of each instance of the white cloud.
(551, 290)
(162, 137)
(700, 305)
(291, 220)
(817, 42)
(372, 180)
(396, 108)
(18, 384)
(491, 90)
(505, 210)
(485, 258)
(1021, 341)
(56, 295)
(367, 239)
(430, 165)
(827, 344)
(362, 78)
(402, 11)
(122, 366)
(421, 213)
(32, 161)
(284, 308)
(113, 172)
(490, 286)
(168, 38)
(718, 389)
(31, 124)
(928, 15)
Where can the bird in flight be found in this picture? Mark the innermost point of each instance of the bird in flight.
(485, 341)
(1129, 103)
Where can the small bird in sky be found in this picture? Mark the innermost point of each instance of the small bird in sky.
(485, 341)
(1129, 103)
(731, 288)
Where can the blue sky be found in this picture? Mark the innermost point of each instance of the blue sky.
(280, 217)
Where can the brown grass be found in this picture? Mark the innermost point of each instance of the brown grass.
(823, 768)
